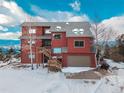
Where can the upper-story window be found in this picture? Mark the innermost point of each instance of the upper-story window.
(46, 42)
(79, 43)
(47, 31)
(32, 31)
(57, 36)
(33, 42)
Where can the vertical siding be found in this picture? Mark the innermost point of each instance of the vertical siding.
(25, 46)
(71, 46)
(61, 42)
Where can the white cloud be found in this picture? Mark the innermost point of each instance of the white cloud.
(3, 28)
(11, 14)
(58, 15)
(78, 18)
(5, 19)
(75, 5)
(10, 35)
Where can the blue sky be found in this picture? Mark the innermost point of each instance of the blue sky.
(15, 12)
(103, 8)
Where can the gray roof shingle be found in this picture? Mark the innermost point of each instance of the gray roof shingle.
(72, 29)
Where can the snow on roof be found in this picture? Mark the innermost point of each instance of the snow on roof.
(78, 31)
(82, 27)
(58, 28)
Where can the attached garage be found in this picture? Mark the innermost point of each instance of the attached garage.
(78, 61)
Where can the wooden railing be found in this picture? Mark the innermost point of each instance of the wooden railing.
(53, 64)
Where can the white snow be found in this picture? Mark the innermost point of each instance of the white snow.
(75, 69)
(40, 81)
(115, 64)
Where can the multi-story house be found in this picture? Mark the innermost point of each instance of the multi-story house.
(69, 42)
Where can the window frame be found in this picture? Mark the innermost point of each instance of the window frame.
(79, 46)
(32, 31)
(58, 52)
(46, 44)
(47, 29)
(57, 38)
(33, 42)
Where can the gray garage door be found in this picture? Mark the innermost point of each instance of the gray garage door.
(78, 61)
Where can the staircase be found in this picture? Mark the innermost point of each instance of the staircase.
(53, 64)
(46, 52)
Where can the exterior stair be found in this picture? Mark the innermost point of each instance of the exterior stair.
(53, 64)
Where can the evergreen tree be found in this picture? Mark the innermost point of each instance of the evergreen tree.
(10, 52)
(1, 54)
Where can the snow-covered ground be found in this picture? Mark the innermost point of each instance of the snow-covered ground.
(40, 81)
(75, 69)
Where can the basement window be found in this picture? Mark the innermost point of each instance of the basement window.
(79, 43)
(57, 36)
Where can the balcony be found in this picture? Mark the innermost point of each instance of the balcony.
(37, 37)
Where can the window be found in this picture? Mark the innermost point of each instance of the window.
(78, 31)
(79, 43)
(33, 42)
(32, 31)
(57, 50)
(33, 56)
(47, 42)
(47, 31)
(57, 36)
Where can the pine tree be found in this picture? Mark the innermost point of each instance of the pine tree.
(1, 54)
(10, 52)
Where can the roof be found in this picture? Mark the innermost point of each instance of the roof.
(72, 29)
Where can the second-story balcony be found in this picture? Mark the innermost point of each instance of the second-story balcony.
(36, 37)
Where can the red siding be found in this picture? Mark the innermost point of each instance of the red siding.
(63, 42)
(71, 46)
(25, 46)
(59, 42)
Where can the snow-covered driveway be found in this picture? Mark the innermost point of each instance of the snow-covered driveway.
(39, 81)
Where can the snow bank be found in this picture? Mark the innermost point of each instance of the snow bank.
(75, 69)
(39, 81)
(115, 64)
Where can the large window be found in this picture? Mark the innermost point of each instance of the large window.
(57, 36)
(79, 43)
(57, 50)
